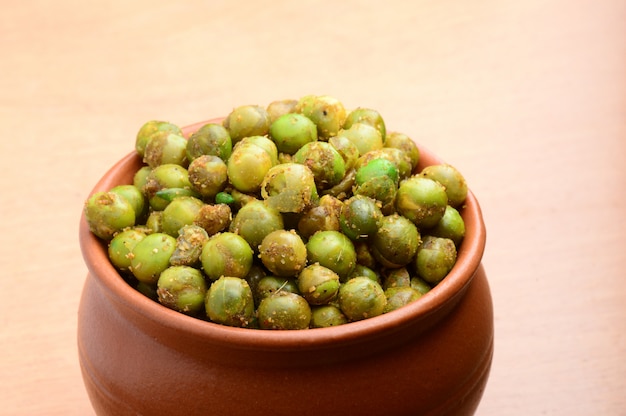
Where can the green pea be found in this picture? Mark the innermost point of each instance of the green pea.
(396, 241)
(150, 129)
(166, 147)
(122, 244)
(226, 254)
(191, 238)
(451, 179)
(398, 297)
(325, 316)
(325, 162)
(403, 142)
(399, 277)
(268, 285)
(279, 108)
(361, 298)
(284, 310)
(360, 217)
(151, 256)
(289, 188)
(229, 302)
(421, 200)
(420, 285)
(214, 218)
(248, 166)
(318, 284)
(182, 288)
(247, 120)
(333, 250)
(211, 139)
(180, 212)
(208, 175)
(365, 137)
(164, 176)
(108, 213)
(435, 258)
(292, 131)
(283, 253)
(254, 221)
(367, 116)
(328, 113)
(451, 226)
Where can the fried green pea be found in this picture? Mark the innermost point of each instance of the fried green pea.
(325, 316)
(189, 243)
(141, 177)
(399, 277)
(421, 200)
(450, 226)
(133, 195)
(284, 311)
(367, 116)
(365, 137)
(420, 285)
(396, 241)
(398, 297)
(399, 158)
(289, 188)
(165, 147)
(378, 179)
(361, 298)
(182, 288)
(153, 222)
(180, 212)
(122, 244)
(361, 270)
(214, 218)
(208, 175)
(403, 142)
(226, 254)
(151, 256)
(254, 221)
(269, 285)
(150, 129)
(283, 253)
(264, 143)
(452, 180)
(333, 250)
(325, 162)
(248, 166)
(318, 284)
(328, 113)
(435, 258)
(247, 120)
(322, 217)
(210, 139)
(163, 177)
(108, 213)
(279, 108)
(229, 302)
(347, 149)
(360, 217)
(292, 131)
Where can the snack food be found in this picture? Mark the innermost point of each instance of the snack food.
(320, 220)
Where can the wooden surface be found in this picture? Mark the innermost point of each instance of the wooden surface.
(527, 98)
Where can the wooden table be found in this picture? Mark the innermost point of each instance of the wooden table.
(526, 98)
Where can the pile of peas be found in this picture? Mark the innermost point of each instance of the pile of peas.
(296, 215)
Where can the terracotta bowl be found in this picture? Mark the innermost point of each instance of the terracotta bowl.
(431, 357)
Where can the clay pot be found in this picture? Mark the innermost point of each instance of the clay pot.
(431, 357)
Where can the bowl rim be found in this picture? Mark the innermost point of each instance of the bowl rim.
(468, 261)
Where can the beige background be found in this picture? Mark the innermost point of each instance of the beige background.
(527, 98)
